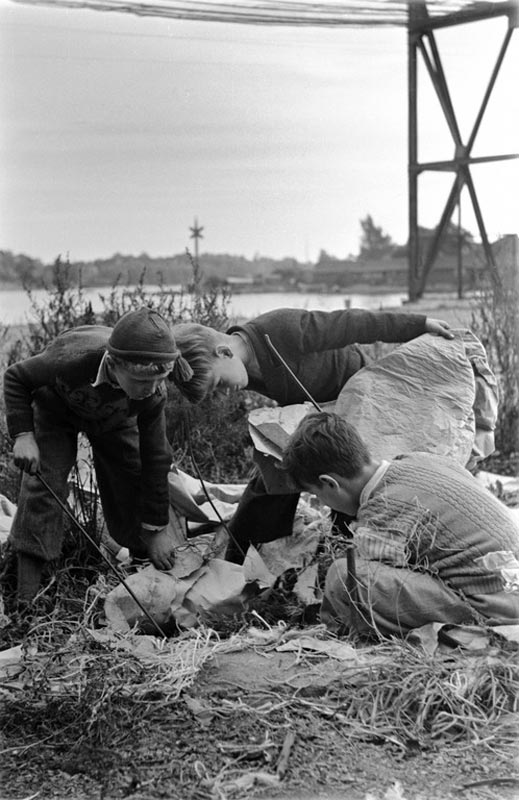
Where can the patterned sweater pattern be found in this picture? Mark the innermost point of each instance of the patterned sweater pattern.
(430, 514)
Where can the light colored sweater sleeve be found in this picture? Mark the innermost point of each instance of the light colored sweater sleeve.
(389, 546)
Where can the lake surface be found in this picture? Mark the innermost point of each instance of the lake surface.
(15, 307)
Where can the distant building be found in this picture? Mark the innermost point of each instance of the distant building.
(237, 282)
(391, 271)
(348, 273)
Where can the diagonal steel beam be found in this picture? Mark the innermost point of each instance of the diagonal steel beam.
(481, 225)
(445, 218)
(489, 89)
(451, 166)
(437, 76)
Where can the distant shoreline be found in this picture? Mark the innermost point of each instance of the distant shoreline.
(368, 289)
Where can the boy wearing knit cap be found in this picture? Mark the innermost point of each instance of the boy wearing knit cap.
(108, 384)
(430, 541)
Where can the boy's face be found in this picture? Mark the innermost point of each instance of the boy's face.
(137, 387)
(229, 372)
(336, 494)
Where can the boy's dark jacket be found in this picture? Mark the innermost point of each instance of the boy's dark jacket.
(319, 347)
(68, 367)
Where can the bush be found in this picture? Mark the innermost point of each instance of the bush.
(495, 320)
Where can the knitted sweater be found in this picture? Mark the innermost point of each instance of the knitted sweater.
(68, 367)
(429, 513)
(320, 347)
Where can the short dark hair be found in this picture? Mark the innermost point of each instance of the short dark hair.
(323, 442)
(197, 344)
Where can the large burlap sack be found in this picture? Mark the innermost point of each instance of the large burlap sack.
(431, 394)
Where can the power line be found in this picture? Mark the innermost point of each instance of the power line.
(358, 13)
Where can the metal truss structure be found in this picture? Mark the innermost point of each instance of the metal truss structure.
(422, 18)
(421, 39)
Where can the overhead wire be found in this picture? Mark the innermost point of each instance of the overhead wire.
(354, 13)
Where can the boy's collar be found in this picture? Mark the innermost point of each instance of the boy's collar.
(103, 374)
(373, 481)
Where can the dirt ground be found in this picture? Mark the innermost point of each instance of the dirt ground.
(224, 739)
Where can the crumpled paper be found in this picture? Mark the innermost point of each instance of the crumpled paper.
(7, 512)
(505, 562)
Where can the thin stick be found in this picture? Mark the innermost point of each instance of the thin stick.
(294, 377)
(92, 541)
(282, 765)
(208, 496)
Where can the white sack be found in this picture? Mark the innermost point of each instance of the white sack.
(425, 395)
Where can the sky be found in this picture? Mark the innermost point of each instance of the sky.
(117, 131)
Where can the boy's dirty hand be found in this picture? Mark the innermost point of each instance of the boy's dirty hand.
(26, 453)
(438, 327)
(161, 548)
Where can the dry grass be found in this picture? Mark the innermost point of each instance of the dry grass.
(116, 708)
(89, 676)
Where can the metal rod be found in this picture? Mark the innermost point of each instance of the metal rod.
(351, 573)
(295, 378)
(412, 158)
(92, 541)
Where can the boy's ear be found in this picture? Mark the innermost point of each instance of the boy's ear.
(224, 351)
(328, 482)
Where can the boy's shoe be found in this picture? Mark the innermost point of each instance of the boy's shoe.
(29, 575)
(8, 572)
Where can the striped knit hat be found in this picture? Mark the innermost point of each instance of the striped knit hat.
(143, 336)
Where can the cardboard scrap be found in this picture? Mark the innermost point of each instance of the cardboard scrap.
(270, 428)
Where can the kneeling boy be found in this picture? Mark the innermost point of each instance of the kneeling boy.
(423, 528)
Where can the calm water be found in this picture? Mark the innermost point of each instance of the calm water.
(15, 307)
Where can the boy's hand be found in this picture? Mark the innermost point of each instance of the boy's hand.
(161, 548)
(26, 453)
(438, 327)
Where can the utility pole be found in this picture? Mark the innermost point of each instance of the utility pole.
(196, 234)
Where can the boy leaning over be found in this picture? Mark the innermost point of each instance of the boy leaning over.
(108, 384)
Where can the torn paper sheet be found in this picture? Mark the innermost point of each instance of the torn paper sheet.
(187, 494)
(7, 512)
(270, 428)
